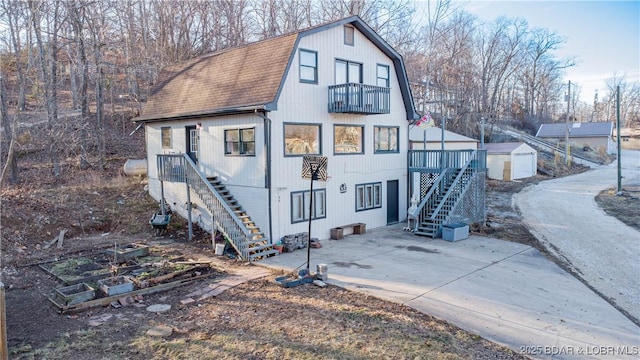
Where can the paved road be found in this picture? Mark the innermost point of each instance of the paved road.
(506, 292)
(605, 252)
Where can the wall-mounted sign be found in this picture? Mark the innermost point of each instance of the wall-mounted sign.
(343, 188)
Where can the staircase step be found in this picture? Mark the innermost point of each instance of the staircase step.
(264, 254)
(424, 233)
(256, 242)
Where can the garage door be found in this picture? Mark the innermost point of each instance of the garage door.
(522, 166)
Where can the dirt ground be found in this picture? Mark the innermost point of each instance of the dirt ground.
(101, 209)
(254, 320)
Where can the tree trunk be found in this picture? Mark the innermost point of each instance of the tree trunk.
(8, 141)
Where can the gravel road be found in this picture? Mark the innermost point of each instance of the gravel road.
(563, 215)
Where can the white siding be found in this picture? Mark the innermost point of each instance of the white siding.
(523, 161)
(307, 103)
(301, 103)
(495, 165)
(244, 176)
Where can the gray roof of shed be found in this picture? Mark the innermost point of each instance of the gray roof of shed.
(506, 148)
(588, 129)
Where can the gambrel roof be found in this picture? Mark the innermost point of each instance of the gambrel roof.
(580, 130)
(245, 78)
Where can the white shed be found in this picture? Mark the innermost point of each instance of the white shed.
(433, 137)
(511, 161)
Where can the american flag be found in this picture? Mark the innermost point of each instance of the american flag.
(426, 121)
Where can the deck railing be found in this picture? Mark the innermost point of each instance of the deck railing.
(356, 98)
(430, 160)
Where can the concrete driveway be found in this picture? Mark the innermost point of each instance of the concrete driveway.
(506, 292)
(603, 251)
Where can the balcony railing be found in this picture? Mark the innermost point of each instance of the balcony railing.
(359, 99)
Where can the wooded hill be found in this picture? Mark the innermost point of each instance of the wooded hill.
(67, 65)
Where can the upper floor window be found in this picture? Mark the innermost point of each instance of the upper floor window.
(240, 142)
(382, 75)
(308, 66)
(348, 72)
(349, 34)
(165, 133)
(385, 139)
(302, 139)
(348, 139)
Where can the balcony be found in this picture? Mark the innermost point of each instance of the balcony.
(358, 99)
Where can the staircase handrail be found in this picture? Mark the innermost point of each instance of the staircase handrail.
(198, 181)
(428, 196)
(453, 184)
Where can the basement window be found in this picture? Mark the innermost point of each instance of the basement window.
(368, 196)
(300, 205)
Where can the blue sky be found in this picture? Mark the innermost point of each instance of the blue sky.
(603, 36)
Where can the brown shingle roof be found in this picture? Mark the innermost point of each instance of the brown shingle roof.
(244, 76)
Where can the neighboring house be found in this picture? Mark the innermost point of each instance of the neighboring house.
(433, 137)
(511, 161)
(245, 117)
(596, 135)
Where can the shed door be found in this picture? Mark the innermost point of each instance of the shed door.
(522, 166)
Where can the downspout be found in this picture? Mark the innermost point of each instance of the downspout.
(267, 175)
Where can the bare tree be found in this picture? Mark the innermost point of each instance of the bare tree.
(9, 128)
(16, 21)
(40, 12)
(629, 101)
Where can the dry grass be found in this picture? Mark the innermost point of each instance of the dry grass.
(261, 320)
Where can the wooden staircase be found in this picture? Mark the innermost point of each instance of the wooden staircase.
(257, 244)
(444, 196)
(432, 227)
(228, 216)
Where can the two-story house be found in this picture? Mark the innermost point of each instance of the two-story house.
(227, 133)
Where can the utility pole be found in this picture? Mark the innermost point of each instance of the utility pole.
(618, 136)
(566, 130)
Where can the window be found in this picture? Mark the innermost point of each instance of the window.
(348, 72)
(300, 205)
(301, 139)
(194, 139)
(308, 66)
(382, 75)
(240, 142)
(348, 139)
(368, 196)
(349, 32)
(385, 139)
(165, 134)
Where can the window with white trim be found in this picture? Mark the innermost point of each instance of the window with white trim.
(300, 205)
(240, 142)
(368, 196)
